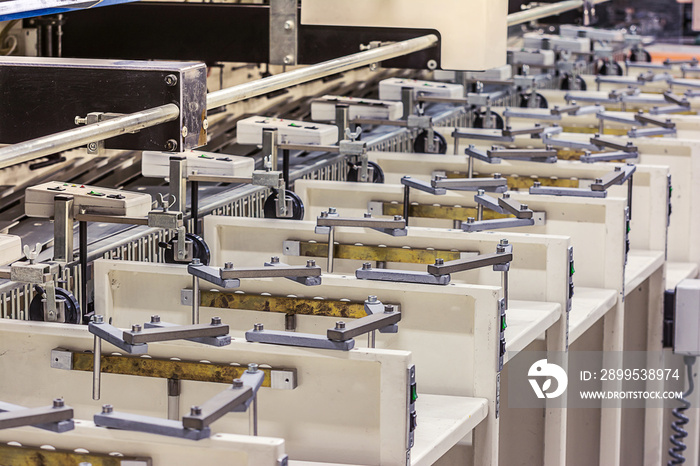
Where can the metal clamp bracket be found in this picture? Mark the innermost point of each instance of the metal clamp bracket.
(228, 277)
(56, 418)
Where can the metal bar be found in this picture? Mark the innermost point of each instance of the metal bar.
(359, 222)
(63, 229)
(111, 219)
(83, 251)
(320, 70)
(217, 407)
(194, 206)
(70, 139)
(147, 424)
(32, 416)
(463, 265)
(364, 325)
(544, 11)
(183, 332)
(271, 272)
(309, 148)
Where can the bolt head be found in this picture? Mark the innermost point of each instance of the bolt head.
(258, 327)
(171, 80)
(388, 308)
(184, 131)
(470, 219)
(58, 403)
(372, 299)
(398, 217)
(92, 146)
(598, 180)
(324, 214)
(311, 263)
(480, 192)
(275, 260)
(171, 145)
(228, 265)
(237, 383)
(252, 368)
(332, 210)
(523, 207)
(439, 261)
(367, 266)
(368, 214)
(205, 123)
(195, 411)
(288, 59)
(196, 261)
(288, 25)
(98, 319)
(216, 320)
(136, 328)
(536, 184)
(496, 176)
(106, 409)
(503, 242)
(155, 319)
(506, 195)
(339, 325)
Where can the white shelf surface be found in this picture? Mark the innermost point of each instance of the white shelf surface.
(587, 306)
(442, 422)
(640, 265)
(678, 271)
(527, 321)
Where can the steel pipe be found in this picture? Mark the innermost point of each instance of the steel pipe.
(72, 138)
(546, 10)
(320, 70)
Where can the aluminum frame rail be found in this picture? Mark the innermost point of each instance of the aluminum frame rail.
(547, 10)
(65, 140)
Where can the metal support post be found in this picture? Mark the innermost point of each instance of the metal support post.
(178, 183)
(63, 229)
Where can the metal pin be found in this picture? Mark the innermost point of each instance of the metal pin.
(136, 328)
(258, 327)
(311, 263)
(275, 260)
(339, 325)
(155, 319)
(367, 266)
(216, 320)
(106, 409)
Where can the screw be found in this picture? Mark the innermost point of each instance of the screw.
(597, 135)
(496, 176)
(155, 319)
(237, 383)
(331, 210)
(367, 266)
(372, 299)
(171, 80)
(252, 368)
(92, 146)
(388, 308)
(195, 411)
(339, 325)
(136, 328)
(598, 180)
(98, 319)
(470, 219)
(536, 184)
(288, 59)
(228, 265)
(324, 214)
(504, 242)
(205, 123)
(80, 120)
(106, 409)
(368, 215)
(288, 25)
(184, 131)
(629, 144)
(275, 260)
(258, 327)
(398, 217)
(523, 206)
(480, 192)
(58, 403)
(506, 195)
(439, 261)
(196, 261)
(216, 320)
(171, 145)
(617, 169)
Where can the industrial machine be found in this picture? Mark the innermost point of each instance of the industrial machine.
(325, 232)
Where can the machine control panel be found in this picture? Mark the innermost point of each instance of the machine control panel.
(250, 130)
(390, 89)
(155, 164)
(39, 200)
(323, 109)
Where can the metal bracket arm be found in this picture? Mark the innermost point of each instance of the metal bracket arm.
(498, 224)
(646, 119)
(364, 325)
(514, 207)
(115, 337)
(498, 185)
(628, 147)
(56, 418)
(617, 177)
(180, 332)
(462, 265)
(420, 185)
(306, 340)
(489, 202)
(403, 276)
(481, 134)
(673, 99)
(220, 340)
(607, 156)
(150, 425)
(547, 155)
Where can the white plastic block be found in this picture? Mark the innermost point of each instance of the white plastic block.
(323, 109)
(249, 131)
(687, 319)
(156, 164)
(534, 40)
(532, 57)
(610, 35)
(390, 89)
(39, 200)
(10, 249)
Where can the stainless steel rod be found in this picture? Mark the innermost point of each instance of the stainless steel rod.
(320, 70)
(72, 138)
(545, 11)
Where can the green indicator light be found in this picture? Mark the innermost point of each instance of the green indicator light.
(414, 393)
(294, 125)
(670, 190)
(504, 325)
(572, 271)
(629, 228)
